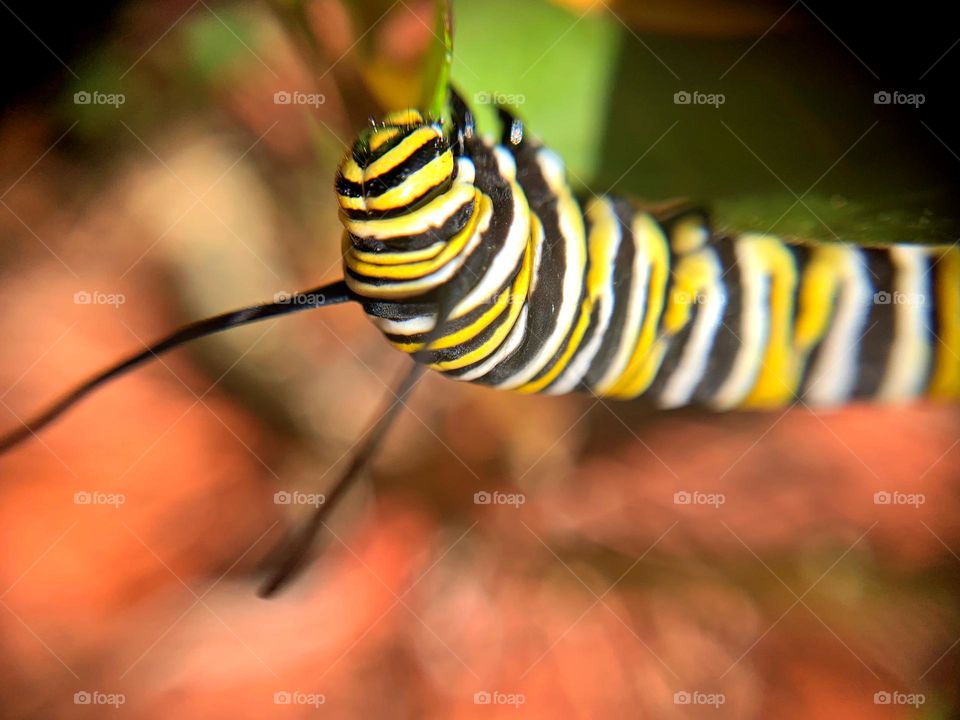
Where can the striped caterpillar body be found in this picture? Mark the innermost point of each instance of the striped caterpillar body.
(477, 259)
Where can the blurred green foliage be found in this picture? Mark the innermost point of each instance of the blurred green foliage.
(216, 42)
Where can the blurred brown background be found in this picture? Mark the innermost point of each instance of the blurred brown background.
(133, 529)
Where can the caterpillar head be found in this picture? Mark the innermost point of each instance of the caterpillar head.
(394, 166)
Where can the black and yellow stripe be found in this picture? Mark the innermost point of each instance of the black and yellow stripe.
(478, 258)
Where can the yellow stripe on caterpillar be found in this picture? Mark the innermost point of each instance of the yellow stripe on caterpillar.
(432, 215)
(779, 373)
(466, 333)
(517, 301)
(482, 207)
(637, 376)
(399, 257)
(602, 235)
(381, 136)
(396, 155)
(945, 383)
(403, 117)
(816, 297)
(430, 175)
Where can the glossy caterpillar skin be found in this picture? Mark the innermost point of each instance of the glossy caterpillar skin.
(536, 293)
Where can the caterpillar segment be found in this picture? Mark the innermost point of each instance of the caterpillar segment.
(476, 257)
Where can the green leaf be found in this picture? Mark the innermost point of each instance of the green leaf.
(437, 75)
(555, 65)
(786, 129)
(923, 218)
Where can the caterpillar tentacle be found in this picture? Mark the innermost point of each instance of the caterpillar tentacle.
(543, 293)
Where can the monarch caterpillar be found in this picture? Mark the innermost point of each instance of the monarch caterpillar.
(477, 259)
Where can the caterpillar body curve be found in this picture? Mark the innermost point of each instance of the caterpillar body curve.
(476, 258)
